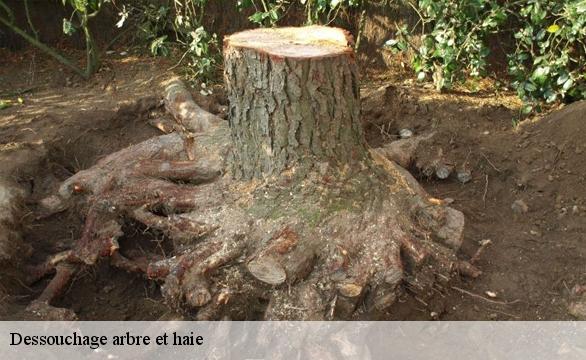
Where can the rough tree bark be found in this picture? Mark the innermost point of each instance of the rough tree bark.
(294, 98)
(284, 213)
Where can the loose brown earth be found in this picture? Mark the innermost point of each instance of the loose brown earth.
(533, 262)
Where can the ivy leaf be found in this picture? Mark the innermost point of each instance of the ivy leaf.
(550, 96)
(526, 109)
(273, 14)
(540, 74)
(553, 28)
(257, 17)
(529, 86)
(563, 78)
(68, 28)
(568, 84)
(158, 46)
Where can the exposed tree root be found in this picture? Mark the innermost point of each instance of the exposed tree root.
(318, 243)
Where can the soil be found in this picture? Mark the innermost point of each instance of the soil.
(535, 257)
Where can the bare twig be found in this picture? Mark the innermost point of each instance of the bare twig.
(505, 313)
(485, 190)
(480, 297)
(483, 245)
(490, 163)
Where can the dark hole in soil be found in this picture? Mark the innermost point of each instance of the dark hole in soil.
(138, 240)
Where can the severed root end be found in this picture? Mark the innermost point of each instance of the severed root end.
(42, 308)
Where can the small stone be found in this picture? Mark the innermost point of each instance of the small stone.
(535, 232)
(338, 275)
(550, 177)
(449, 201)
(490, 294)
(575, 210)
(108, 289)
(443, 171)
(493, 316)
(578, 289)
(434, 315)
(520, 207)
(405, 133)
(464, 176)
(393, 277)
(485, 242)
(350, 290)
(451, 231)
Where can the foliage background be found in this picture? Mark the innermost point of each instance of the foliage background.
(536, 47)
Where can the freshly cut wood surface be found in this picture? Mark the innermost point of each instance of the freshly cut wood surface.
(294, 42)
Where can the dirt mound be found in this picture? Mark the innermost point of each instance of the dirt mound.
(536, 254)
(554, 160)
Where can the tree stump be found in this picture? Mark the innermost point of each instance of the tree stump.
(294, 99)
(283, 212)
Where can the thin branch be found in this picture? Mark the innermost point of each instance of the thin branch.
(8, 11)
(29, 20)
(57, 56)
(485, 191)
(483, 298)
(490, 163)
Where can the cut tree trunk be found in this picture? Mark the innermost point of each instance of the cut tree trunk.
(284, 213)
(294, 99)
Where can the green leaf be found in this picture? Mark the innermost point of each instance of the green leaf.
(68, 28)
(568, 84)
(563, 78)
(550, 96)
(5, 104)
(158, 46)
(540, 74)
(257, 18)
(529, 86)
(526, 109)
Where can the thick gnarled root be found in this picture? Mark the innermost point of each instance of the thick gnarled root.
(154, 182)
(350, 263)
(367, 263)
(347, 243)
